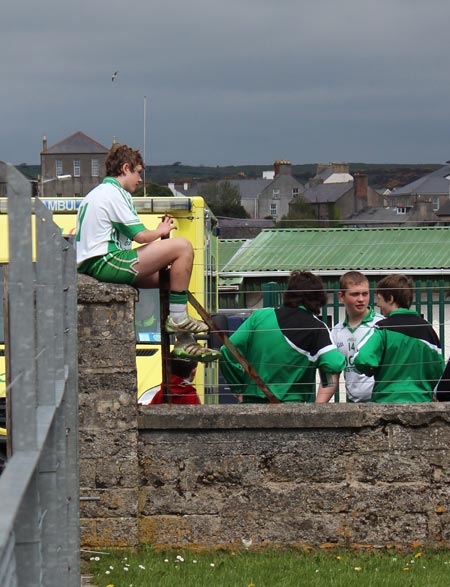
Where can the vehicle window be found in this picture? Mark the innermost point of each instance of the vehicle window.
(147, 317)
(2, 322)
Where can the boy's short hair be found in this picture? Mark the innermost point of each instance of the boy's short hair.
(119, 155)
(305, 289)
(399, 286)
(351, 278)
(181, 367)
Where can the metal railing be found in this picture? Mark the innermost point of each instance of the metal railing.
(39, 487)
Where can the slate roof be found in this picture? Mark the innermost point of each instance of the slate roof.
(435, 183)
(77, 143)
(277, 252)
(327, 192)
(232, 228)
(385, 215)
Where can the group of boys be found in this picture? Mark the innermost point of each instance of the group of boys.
(393, 357)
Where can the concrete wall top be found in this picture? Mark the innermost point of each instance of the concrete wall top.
(226, 417)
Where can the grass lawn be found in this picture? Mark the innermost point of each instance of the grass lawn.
(270, 568)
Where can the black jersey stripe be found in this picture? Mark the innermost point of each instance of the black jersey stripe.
(412, 326)
(303, 329)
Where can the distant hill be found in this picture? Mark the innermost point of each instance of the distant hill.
(381, 175)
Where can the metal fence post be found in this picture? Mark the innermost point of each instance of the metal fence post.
(39, 526)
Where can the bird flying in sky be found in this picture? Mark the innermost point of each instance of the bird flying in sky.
(114, 75)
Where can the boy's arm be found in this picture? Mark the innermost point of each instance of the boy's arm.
(370, 352)
(325, 393)
(230, 368)
(163, 229)
(331, 360)
(330, 363)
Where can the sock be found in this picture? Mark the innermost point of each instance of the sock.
(185, 337)
(178, 305)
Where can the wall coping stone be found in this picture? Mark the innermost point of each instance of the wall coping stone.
(92, 291)
(226, 417)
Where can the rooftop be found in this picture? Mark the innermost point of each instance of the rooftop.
(277, 252)
(77, 143)
(434, 183)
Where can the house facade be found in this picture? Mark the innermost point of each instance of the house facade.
(266, 197)
(275, 197)
(72, 167)
(336, 195)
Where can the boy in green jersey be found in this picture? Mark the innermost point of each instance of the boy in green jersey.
(402, 351)
(107, 223)
(285, 345)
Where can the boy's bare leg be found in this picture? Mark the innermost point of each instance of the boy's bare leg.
(177, 252)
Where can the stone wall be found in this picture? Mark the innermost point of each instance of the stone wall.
(210, 476)
(310, 475)
(107, 383)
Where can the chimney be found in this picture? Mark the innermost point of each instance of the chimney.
(424, 209)
(44, 144)
(334, 167)
(321, 167)
(282, 166)
(340, 167)
(360, 185)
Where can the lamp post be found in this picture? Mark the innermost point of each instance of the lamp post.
(43, 181)
(145, 141)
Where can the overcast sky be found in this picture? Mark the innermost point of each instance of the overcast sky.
(230, 82)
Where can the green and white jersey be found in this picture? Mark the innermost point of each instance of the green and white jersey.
(404, 354)
(358, 386)
(107, 221)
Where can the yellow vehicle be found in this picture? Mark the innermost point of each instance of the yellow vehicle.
(195, 222)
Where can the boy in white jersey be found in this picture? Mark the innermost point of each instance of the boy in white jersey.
(107, 223)
(346, 335)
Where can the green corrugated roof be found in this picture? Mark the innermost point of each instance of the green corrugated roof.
(276, 251)
(227, 248)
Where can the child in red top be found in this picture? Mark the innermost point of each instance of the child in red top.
(181, 389)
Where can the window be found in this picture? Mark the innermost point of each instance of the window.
(401, 210)
(276, 194)
(435, 203)
(95, 168)
(273, 209)
(76, 168)
(295, 192)
(58, 167)
(59, 195)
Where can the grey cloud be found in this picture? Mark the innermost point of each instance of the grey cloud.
(245, 80)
